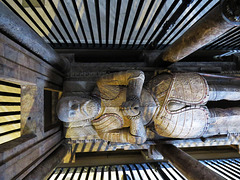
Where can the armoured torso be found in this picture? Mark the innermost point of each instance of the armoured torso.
(181, 112)
(112, 116)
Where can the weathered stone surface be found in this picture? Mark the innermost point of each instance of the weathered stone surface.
(21, 66)
(43, 169)
(20, 156)
(26, 157)
(32, 109)
(187, 165)
(14, 27)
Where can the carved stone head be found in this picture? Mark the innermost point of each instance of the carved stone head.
(77, 108)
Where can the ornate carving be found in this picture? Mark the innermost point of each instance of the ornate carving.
(175, 103)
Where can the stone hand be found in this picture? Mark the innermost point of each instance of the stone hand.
(130, 108)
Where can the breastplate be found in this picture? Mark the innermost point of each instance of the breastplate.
(147, 106)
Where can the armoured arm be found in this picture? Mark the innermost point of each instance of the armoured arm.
(136, 134)
(134, 79)
(109, 127)
(135, 84)
(122, 136)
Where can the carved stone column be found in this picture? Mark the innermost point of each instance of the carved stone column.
(187, 165)
(220, 19)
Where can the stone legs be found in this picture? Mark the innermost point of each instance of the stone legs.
(228, 92)
(223, 121)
